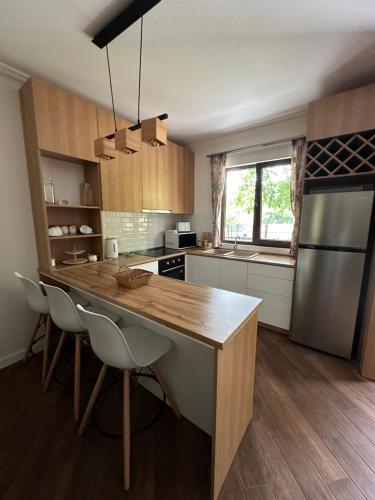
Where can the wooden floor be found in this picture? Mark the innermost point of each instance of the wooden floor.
(312, 436)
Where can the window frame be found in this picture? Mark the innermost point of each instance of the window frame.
(257, 241)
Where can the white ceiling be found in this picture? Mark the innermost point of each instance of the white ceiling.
(213, 65)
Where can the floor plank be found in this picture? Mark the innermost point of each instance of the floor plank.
(276, 470)
(312, 436)
(263, 492)
(356, 468)
(364, 423)
(294, 423)
(345, 489)
(329, 418)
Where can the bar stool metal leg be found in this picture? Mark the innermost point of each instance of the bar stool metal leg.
(77, 376)
(40, 319)
(126, 429)
(46, 348)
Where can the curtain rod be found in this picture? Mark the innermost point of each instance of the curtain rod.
(255, 146)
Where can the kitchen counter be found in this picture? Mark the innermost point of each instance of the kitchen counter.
(133, 259)
(211, 367)
(261, 258)
(207, 314)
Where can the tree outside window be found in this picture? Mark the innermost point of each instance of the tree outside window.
(257, 204)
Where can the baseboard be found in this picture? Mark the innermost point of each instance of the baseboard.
(17, 356)
(273, 328)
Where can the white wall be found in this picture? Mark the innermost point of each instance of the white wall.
(18, 250)
(271, 131)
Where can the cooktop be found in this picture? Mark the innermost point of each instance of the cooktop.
(156, 252)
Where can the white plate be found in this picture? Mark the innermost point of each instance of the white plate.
(73, 262)
(85, 229)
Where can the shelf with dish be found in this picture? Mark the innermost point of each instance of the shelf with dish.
(75, 236)
(67, 246)
(60, 266)
(69, 206)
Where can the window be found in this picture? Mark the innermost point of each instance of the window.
(257, 205)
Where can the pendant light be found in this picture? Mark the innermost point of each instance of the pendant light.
(104, 147)
(153, 130)
(127, 141)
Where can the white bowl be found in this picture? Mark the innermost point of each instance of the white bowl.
(55, 231)
(85, 229)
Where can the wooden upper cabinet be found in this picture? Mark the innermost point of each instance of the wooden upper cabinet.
(66, 124)
(155, 178)
(121, 178)
(340, 114)
(168, 178)
(181, 173)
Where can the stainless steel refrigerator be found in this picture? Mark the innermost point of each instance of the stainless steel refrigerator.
(329, 273)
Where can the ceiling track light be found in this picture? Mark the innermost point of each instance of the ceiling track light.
(152, 130)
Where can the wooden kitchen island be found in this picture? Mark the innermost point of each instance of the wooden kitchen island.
(211, 367)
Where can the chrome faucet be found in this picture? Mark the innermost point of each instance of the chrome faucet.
(235, 243)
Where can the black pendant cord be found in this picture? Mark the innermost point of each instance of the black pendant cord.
(110, 84)
(140, 72)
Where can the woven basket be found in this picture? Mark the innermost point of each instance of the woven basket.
(132, 278)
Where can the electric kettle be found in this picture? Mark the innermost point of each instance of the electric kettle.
(111, 248)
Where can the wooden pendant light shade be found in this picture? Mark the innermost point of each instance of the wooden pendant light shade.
(128, 141)
(154, 131)
(104, 148)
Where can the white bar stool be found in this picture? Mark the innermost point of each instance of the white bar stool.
(65, 315)
(39, 303)
(126, 349)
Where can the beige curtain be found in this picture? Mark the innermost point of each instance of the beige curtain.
(298, 175)
(217, 183)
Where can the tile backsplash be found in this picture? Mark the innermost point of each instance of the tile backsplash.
(137, 231)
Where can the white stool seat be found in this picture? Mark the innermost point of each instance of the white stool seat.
(146, 347)
(64, 313)
(98, 310)
(126, 349)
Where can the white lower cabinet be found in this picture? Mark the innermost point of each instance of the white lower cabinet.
(273, 284)
(274, 310)
(233, 275)
(148, 266)
(204, 270)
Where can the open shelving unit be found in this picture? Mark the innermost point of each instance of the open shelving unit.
(75, 214)
(46, 140)
(343, 156)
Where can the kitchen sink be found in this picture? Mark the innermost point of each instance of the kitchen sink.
(218, 251)
(242, 254)
(237, 254)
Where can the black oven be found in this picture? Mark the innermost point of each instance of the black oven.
(173, 267)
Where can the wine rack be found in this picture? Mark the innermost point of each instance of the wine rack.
(343, 156)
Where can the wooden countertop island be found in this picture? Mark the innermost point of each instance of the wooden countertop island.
(207, 314)
(224, 323)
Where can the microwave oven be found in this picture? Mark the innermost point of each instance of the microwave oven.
(176, 240)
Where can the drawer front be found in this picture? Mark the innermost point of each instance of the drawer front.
(272, 301)
(271, 285)
(286, 273)
(275, 318)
